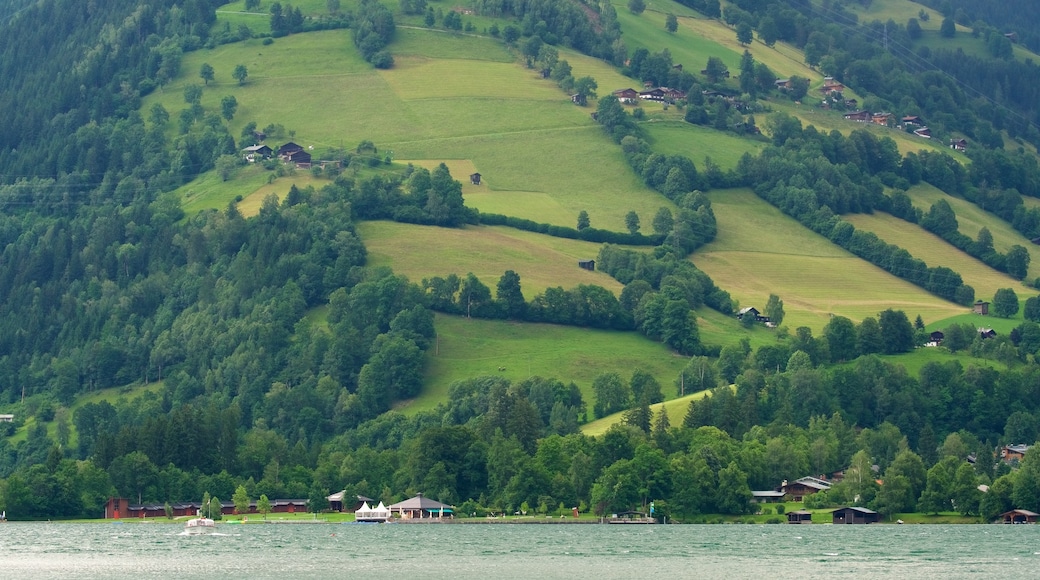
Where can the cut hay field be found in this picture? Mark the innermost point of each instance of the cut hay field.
(467, 348)
(676, 409)
(426, 251)
(520, 131)
(929, 247)
(759, 251)
(696, 142)
(971, 218)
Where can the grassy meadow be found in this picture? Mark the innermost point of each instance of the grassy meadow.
(541, 261)
(696, 142)
(759, 251)
(467, 348)
(676, 409)
(929, 247)
(475, 104)
(971, 218)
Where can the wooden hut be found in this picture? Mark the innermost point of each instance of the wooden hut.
(799, 517)
(855, 515)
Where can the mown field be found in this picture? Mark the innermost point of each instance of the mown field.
(696, 142)
(971, 218)
(934, 251)
(541, 261)
(676, 409)
(759, 251)
(467, 348)
(474, 104)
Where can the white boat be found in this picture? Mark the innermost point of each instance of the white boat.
(200, 525)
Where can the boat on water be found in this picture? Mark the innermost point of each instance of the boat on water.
(200, 525)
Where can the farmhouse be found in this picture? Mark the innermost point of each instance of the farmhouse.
(627, 96)
(854, 515)
(1015, 452)
(831, 86)
(783, 83)
(653, 95)
(958, 144)
(923, 132)
(985, 332)
(883, 119)
(859, 116)
(255, 152)
(981, 307)
(1019, 517)
(802, 487)
(936, 338)
(911, 121)
(301, 158)
(751, 311)
(420, 507)
(288, 148)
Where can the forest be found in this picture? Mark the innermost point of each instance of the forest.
(272, 352)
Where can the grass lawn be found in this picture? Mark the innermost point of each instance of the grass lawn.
(971, 218)
(935, 251)
(759, 251)
(914, 360)
(426, 251)
(467, 348)
(696, 142)
(112, 395)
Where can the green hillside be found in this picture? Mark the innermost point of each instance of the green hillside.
(759, 251)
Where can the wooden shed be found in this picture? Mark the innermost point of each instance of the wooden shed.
(981, 307)
(854, 515)
(474, 178)
(589, 265)
(799, 517)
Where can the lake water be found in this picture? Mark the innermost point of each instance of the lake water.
(288, 552)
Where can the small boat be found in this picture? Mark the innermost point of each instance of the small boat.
(200, 525)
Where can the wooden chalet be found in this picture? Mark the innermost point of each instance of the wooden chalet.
(831, 86)
(986, 332)
(981, 307)
(300, 158)
(656, 94)
(751, 311)
(589, 265)
(474, 178)
(798, 489)
(958, 144)
(911, 121)
(627, 96)
(936, 337)
(799, 517)
(783, 83)
(1019, 517)
(883, 119)
(923, 132)
(859, 116)
(854, 515)
(288, 148)
(337, 503)
(420, 507)
(1013, 452)
(256, 152)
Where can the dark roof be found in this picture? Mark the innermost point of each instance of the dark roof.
(861, 510)
(419, 503)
